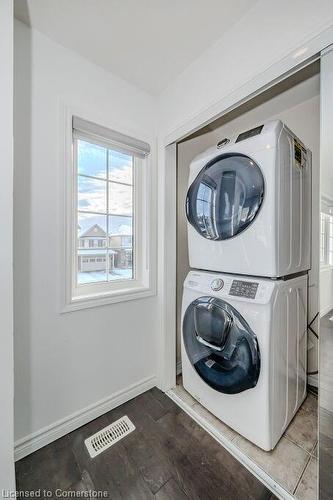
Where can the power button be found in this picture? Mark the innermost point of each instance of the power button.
(217, 284)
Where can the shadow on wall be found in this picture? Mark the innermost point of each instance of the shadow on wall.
(22, 232)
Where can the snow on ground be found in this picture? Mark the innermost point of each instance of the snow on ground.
(96, 276)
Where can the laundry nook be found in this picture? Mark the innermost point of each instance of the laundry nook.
(166, 287)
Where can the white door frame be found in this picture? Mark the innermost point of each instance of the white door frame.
(7, 473)
(278, 71)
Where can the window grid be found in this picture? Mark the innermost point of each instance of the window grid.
(108, 214)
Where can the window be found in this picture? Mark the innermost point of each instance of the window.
(105, 212)
(109, 237)
(326, 239)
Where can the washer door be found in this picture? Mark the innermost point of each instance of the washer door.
(221, 345)
(225, 197)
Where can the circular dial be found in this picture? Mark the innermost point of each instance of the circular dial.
(217, 284)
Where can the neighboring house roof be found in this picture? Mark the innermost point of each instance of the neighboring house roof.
(94, 231)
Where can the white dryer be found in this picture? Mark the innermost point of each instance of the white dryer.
(249, 203)
(244, 350)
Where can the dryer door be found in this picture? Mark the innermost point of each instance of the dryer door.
(225, 197)
(221, 345)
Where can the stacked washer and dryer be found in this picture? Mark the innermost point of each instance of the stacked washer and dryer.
(244, 311)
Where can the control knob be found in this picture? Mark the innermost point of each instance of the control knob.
(217, 284)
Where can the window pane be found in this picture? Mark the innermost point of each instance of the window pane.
(120, 243)
(104, 241)
(91, 266)
(91, 227)
(91, 248)
(91, 159)
(119, 224)
(120, 199)
(91, 194)
(120, 167)
(121, 263)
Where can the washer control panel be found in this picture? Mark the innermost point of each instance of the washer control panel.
(246, 289)
(217, 284)
(232, 287)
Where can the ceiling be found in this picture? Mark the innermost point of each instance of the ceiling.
(146, 42)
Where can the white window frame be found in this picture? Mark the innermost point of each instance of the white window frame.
(143, 284)
(327, 234)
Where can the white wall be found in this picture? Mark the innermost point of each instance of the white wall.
(299, 108)
(264, 35)
(55, 371)
(66, 362)
(7, 480)
(327, 125)
(326, 273)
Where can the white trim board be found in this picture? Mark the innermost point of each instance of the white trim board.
(276, 71)
(259, 473)
(46, 435)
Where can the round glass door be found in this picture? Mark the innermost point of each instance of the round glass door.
(225, 197)
(221, 346)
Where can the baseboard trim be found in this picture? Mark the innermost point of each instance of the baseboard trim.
(46, 435)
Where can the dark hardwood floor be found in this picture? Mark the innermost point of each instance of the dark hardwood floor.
(168, 456)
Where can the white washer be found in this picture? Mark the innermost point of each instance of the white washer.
(249, 204)
(244, 350)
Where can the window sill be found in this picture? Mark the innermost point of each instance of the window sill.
(98, 300)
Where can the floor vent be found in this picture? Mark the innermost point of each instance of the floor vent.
(108, 436)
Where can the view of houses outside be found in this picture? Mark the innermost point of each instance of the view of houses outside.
(105, 214)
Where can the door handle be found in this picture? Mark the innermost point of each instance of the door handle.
(208, 344)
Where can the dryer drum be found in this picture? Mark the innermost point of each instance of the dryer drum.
(225, 197)
(221, 345)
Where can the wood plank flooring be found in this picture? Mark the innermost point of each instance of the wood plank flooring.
(293, 464)
(167, 457)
